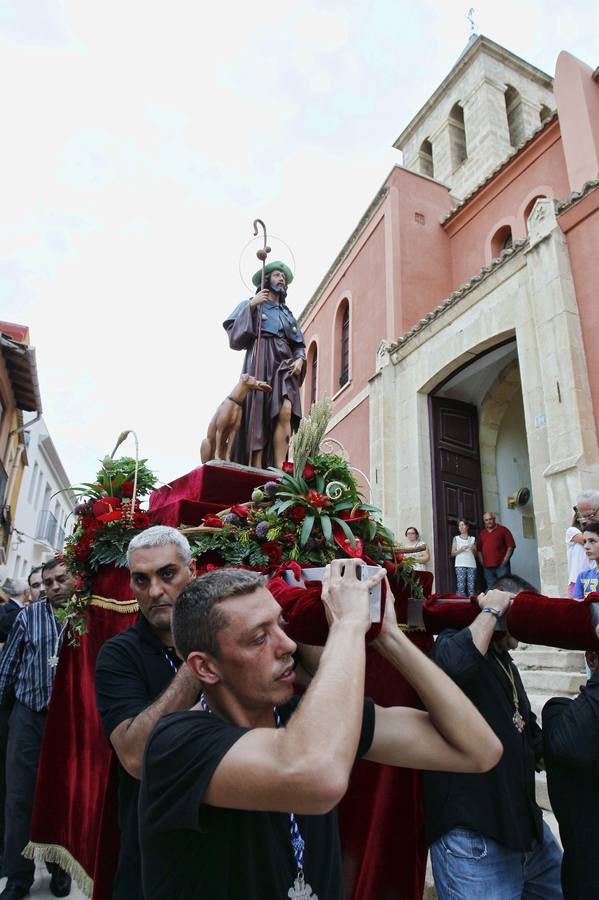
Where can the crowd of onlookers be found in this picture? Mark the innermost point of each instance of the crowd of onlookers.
(485, 830)
(479, 560)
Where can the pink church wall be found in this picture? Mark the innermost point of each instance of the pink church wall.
(539, 169)
(577, 97)
(354, 433)
(580, 224)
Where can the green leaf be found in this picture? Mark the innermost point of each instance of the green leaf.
(320, 484)
(371, 529)
(327, 528)
(307, 528)
(281, 507)
(346, 530)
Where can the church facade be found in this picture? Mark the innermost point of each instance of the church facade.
(461, 316)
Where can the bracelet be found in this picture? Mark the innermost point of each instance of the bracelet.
(494, 612)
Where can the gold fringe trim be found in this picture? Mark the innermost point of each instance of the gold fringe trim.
(54, 853)
(122, 606)
(408, 628)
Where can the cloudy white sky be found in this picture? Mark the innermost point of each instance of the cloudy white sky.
(141, 138)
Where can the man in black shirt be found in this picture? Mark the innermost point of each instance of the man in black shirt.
(238, 794)
(571, 743)
(487, 835)
(139, 678)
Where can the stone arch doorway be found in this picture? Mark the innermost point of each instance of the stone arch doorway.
(480, 457)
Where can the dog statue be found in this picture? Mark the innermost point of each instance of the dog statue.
(226, 421)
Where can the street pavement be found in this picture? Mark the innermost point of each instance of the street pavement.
(40, 889)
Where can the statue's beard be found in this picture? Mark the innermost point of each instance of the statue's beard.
(279, 289)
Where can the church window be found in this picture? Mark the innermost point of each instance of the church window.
(312, 372)
(457, 137)
(342, 343)
(426, 158)
(501, 240)
(515, 116)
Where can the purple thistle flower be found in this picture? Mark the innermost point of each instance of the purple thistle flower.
(231, 519)
(262, 530)
(270, 488)
(311, 544)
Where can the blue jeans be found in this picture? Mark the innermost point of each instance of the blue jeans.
(495, 572)
(470, 866)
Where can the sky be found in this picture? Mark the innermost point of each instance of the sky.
(141, 139)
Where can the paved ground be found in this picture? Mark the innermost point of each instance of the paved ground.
(41, 886)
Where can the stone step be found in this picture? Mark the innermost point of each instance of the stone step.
(552, 681)
(548, 658)
(538, 699)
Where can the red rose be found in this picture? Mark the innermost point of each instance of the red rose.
(287, 467)
(399, 557)
(240, 510)
(213, 521)
(127, 489)
(273, 551)
(141, 520)
(389, 566)
(79, 583)
(309, 471)
(297, 513)
(105, 505)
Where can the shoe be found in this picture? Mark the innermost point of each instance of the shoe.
(60, 883)
(14, 892)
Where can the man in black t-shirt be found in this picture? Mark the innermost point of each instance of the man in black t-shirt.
(238, 794)
(139, 678)
(486, 832)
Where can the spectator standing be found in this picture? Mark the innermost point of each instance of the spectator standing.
(587, 581)
(28, 666)
(586, 511)
(495, 546)
(416, 548)
(36, 586)
(463, 549)
(18, 599)
(140, 678)
(487, 835)
(571, 742)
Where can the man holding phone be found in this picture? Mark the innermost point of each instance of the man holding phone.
(239, 793)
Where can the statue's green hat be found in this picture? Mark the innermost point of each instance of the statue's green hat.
(270, 267)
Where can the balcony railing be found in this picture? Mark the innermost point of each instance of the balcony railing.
(48, 530)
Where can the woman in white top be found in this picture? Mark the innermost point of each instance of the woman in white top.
(463, 549)
(577, 558)
(415, 548)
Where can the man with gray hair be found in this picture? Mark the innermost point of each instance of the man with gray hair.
(140, 678)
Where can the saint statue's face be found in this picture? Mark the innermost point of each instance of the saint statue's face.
(278, 283)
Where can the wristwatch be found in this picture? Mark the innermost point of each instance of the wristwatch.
(494, 612)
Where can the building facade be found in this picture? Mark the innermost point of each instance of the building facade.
(461, 317)
(19, 392)
(45, 504)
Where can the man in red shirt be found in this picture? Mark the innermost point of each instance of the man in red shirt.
(495, 547)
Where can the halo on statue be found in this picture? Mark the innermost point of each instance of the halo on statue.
(249, 262)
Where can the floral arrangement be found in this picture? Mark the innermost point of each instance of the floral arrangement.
(107, 519)
(311, 514)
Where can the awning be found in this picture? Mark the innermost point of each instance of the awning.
(22, 372)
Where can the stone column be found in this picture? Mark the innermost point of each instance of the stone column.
(564, 456)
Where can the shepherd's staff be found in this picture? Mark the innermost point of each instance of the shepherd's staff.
(261, 254)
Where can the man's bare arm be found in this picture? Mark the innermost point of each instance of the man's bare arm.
(450, 736)
(305, 766)
(130, 736)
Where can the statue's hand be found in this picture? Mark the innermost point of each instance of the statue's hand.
(298, 365)
(259, 298)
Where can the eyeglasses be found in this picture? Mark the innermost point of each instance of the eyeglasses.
(584, 517)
